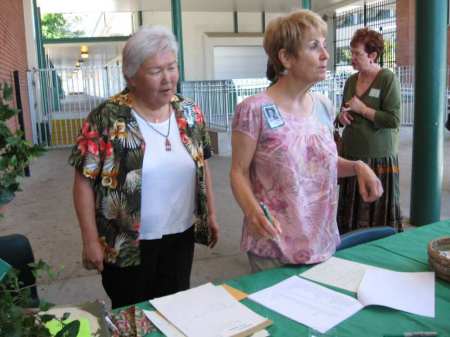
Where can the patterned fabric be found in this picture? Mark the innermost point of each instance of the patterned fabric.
(110, 151)
(131, 322)
(294, 172)
(354, 213)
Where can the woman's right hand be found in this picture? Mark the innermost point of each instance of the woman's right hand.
(258, 224)
(345, 117)
(93, 255)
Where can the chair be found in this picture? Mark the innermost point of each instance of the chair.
(16, 250)
(363, 235)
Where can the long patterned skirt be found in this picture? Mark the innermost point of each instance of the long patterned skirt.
(354, 213)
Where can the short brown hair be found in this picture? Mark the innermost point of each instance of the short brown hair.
(370, 39)
(287, 32)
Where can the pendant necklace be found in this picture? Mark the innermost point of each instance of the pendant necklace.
(167, 143)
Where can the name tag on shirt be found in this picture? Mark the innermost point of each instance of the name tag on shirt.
(374, 93)
(189, 115)
(272, 116)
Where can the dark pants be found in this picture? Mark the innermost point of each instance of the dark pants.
(165, 269)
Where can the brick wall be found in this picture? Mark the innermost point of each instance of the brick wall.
(406, 36)
(13, 54)
(406, 17)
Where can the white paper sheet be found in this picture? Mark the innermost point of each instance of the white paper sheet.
(338, 273)
(162, 324)
(411, 292)
(207, 311)
(307, 303)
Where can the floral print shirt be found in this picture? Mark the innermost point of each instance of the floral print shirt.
(294, 172)
(110, 152)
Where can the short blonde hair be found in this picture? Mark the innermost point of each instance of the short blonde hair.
(287, 32)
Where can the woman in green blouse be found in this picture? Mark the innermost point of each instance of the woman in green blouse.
(370, 112)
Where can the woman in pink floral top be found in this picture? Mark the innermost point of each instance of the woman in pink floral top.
(284, 155)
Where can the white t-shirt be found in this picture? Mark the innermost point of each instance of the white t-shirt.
(168, 182)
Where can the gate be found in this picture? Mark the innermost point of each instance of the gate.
(376, 15)
(60, 98)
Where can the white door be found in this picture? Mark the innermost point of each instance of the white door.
(231, 62)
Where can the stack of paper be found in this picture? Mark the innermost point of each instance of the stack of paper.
(209, 311)
(169, 330)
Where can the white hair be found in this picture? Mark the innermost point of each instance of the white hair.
(146, 42)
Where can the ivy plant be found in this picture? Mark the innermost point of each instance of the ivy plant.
(15, 152)
(17, 319)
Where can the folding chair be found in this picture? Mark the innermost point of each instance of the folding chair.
(363, 235)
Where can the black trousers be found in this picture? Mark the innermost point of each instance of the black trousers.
(165, 269)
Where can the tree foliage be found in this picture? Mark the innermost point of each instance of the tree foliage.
(56, 26)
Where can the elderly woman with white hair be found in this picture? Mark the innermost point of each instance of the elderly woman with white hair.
(142, 188)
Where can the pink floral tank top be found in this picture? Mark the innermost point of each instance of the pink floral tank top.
(294, 172)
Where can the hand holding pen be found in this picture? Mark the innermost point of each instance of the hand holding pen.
(262, 223)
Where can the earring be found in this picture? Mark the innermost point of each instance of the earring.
(284, 72)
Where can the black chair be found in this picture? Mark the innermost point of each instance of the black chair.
(363, 235)
(16, 250)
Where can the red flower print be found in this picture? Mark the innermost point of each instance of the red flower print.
(86, 142)
(136, 226)
(198, 115)
(182, 123)
(106, 147)
(184, 138)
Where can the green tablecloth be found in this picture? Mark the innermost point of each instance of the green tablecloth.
(402, 252)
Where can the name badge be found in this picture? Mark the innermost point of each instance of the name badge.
(189, 115)
(272, 116)
(374, 93)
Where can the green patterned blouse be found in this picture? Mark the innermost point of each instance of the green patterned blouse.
(109, 152)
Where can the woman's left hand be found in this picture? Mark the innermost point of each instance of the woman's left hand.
(370, 187)
(214, 228)
(355, 105)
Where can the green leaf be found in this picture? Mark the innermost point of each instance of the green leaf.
(69, 330)
(7, 92)
(47, 318)
(45, 306)
(65, 316)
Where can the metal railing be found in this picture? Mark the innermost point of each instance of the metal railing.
(61, 98)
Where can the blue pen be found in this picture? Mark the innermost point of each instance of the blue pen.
(268, 216)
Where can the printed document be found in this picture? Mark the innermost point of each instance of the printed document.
(308, 303)
(209, 311)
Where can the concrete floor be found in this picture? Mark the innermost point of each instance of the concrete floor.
(44, 213)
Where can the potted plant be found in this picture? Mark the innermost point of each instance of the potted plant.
(16, 319)
(15, 152)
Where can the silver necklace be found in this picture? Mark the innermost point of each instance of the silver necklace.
(167, 143)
